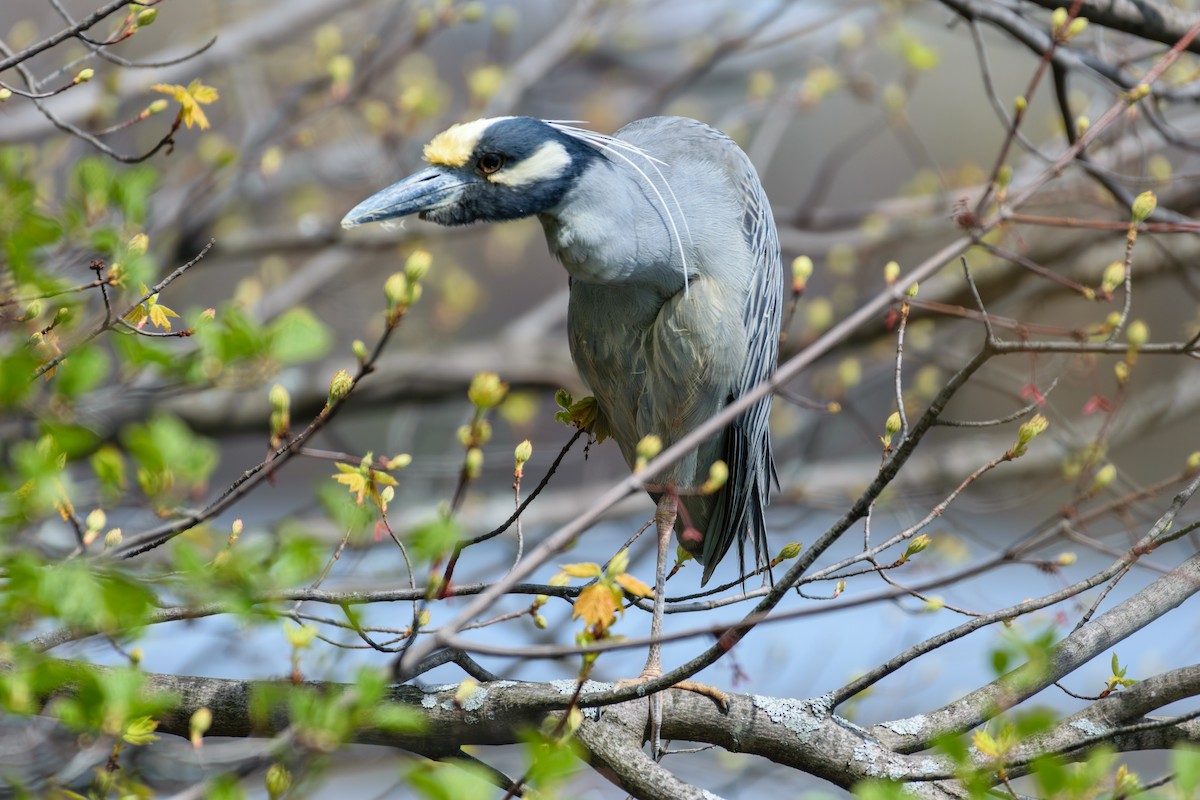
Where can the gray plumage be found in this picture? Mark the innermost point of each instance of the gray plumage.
(627, 216)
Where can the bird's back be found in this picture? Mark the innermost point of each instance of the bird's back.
(660, 358)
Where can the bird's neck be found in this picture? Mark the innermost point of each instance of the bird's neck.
(610, 229)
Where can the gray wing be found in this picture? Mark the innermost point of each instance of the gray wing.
(749, 457)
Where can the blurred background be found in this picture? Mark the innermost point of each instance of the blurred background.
(874, 126)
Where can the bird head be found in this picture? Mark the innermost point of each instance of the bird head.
(489, 170)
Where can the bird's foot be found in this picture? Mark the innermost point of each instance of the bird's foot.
(718, 696)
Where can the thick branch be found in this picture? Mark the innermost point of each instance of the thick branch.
(1081, 646)
(614, 746)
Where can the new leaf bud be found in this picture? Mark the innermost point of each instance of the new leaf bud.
(1004, 176)
(96, 520)
(1138, 333)
(1121, 371)
(891, 427)
(473, 463)
(278, 781)
(340, 386)
(417, 265)
(802, 269)
(619, 563)
(300, 636)
(198, 725)
(1104, 476)
(718, 474)
(1033, 428)
(649, 446)
(395, 288)
(486, 390)
(1114, 276)
(1027, 433)
(891, 272)
(523, 452)
(918, 544)
(1143, 206)
(280, 399)
(139, 244)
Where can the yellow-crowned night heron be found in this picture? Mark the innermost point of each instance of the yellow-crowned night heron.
(676, 290)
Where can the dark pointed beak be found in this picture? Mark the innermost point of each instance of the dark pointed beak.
(423, 191)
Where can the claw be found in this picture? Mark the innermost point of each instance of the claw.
(713, 693)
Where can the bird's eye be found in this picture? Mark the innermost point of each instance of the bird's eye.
(490, 162)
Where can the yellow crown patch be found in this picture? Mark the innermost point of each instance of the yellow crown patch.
(453, 146)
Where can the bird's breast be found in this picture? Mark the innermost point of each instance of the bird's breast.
(656, 367)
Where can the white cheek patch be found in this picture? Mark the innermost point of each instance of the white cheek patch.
(547, 162)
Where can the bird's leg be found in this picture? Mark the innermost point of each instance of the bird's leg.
(664, 519)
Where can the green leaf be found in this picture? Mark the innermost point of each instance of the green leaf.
(109, 466)
(93, 179)
(1050, 774)
(1185, 763)
(131, 189)
(1083, 778)
(82, 372)
(224, 787)
(297, 336)
(298, 559)
(41, 481)
(16, 376)
(139, 351)
(954, 747)
(97, 700)
(397, 718)
(231, 338)
(75, 441)
(879, 790)
(106, 239)
(342, 509)
(450, 780)
(551, 762)
(83, 594)
(1033, 722)
(434, 539)
(168, 452)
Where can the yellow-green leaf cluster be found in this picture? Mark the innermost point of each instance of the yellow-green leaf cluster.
(599, 603)
(364, 481)
(190, 98)
(153, 312)
(583, 413)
